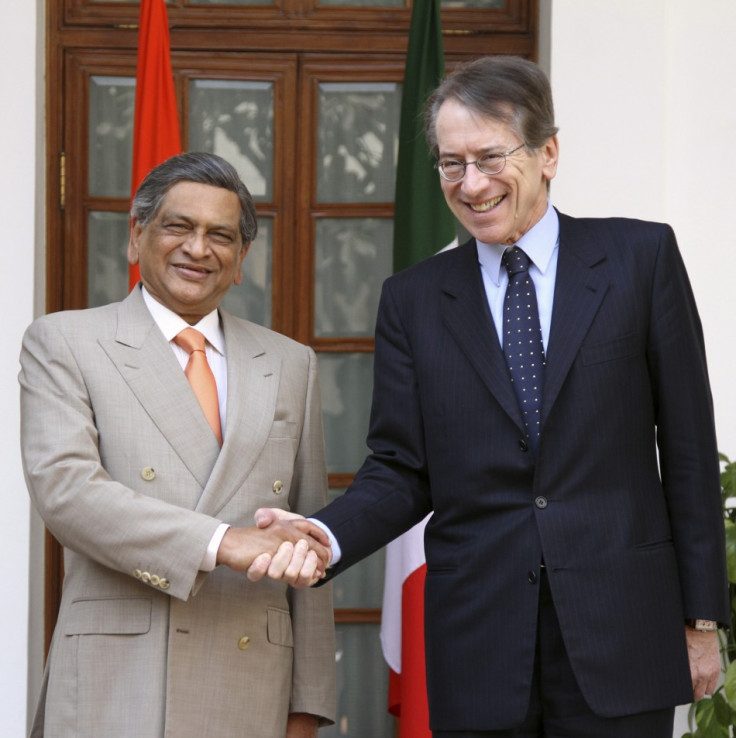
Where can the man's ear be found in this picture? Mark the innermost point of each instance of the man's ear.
(133, 239)
(241, 257)
(550, 152)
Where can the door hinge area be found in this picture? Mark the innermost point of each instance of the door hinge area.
(62, 179)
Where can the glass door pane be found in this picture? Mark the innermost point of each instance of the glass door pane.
(362, 685)
(234, 119)
(352, 258)
(111, 114)
(357, 141)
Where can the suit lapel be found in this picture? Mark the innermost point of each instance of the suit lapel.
(252, 385)
(467, 316)
(146, 362)
(581, 284)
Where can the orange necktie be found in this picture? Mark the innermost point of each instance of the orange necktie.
(201, 378)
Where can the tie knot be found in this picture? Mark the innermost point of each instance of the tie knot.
(190, 340)
(515, 261)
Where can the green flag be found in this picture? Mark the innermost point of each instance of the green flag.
(423, 224)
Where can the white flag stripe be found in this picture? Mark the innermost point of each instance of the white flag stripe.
(403, 556)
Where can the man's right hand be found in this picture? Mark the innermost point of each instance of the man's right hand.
(297, 564)
(285, 540)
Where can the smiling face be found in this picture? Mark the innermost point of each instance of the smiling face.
(192, 251)
(496, 208)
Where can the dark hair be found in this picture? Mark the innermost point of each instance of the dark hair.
(509, 89)
(194, 166)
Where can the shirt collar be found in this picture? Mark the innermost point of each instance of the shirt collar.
(172, 324)
(539, 244)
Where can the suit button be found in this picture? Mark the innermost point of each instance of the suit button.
(532, 577)
(243, 643)
(145, 577)
(155, 580)
(148, 473)
(278, 485)
(541, 502)
(523, 445)
(137, 573)
(164, 583)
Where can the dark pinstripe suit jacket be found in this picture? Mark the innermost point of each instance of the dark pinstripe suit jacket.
(623, 501)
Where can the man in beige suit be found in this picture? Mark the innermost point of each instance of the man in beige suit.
(160, 632)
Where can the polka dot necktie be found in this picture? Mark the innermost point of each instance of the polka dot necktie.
(522, 341)
(200, 376)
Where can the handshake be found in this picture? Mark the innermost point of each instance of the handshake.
(282, 546)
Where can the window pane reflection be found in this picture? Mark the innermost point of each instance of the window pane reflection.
(107, 262)
(353, 256)
(361, 586)
(234, 119)
(358, 141)
(231, 2)
(111, 114)
(251, 299)
(363, 3)
(473, 4)
(346, 382)
(362, 685)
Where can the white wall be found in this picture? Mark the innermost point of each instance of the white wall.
(21, 160)
(644, 95)
(645, 102)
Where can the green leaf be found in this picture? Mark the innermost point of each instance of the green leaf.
(729, 685)
(731, 550)
(722, 710)
(707, 720)
(728, 477)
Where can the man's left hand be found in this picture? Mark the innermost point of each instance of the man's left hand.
(301, 725)
(703, 650)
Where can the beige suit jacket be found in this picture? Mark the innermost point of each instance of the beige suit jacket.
(127, 475)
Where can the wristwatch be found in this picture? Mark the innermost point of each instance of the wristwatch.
(704, 626)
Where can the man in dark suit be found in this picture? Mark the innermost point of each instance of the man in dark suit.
(575, 555)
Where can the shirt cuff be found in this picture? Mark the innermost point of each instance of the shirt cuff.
(336, 553)
(209, 561)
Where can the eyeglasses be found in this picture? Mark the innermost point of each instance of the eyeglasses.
(453, 170)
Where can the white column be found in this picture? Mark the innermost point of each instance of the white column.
(645, 104)
(21, 153)
(646, 110)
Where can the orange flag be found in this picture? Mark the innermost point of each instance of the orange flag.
(156, 134)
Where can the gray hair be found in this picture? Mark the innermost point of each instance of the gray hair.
(508, 89)
(194, 166)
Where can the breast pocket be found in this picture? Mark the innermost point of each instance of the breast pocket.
(623, 347)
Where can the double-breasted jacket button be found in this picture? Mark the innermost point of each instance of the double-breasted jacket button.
(523, 445)
(243, 643)
(541, 502)
(532, 576)
(278, 485)
(148, 473)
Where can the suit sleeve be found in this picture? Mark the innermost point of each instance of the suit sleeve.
(686, 437)
(390, 493)
(313, 681)
(84, 508)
